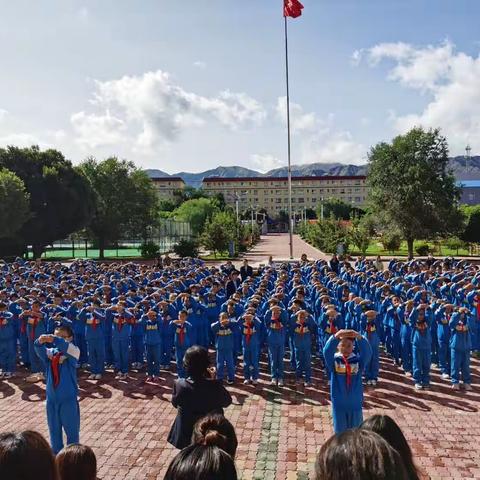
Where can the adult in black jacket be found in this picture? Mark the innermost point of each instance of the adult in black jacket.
(246, 271)
(196, 396)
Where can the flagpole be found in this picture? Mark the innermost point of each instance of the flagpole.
(290, 226)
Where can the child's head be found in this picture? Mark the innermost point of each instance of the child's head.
(216, 430)
(3, 306)
(65, 332)
(182, 316)
(77, 462)
(345, 347)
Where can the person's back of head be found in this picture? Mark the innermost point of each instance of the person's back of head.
(76, 462)
(386, 427)
(202, 462)
(216, 430)
(359, 455)
(26, 456)
(196, 362)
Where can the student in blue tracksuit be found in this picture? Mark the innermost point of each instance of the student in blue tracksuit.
(151, 327)
(78, 333)
(182, 339)
(94, 320)
(252, 331)
(276, 324)
(421, 346)
(63, 411)
(302, 327)
(166, 313)
(121, 331)
(223, 331)
(36, 326)
(460, 346)
(21, 328)
(369, 324)
(442, 317)
(7, 336)
(404, 312)
(346, 368)
(137, 340)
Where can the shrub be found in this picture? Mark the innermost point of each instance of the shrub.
(149, 250)
(391, 241)
(186, 248)
(423, 250)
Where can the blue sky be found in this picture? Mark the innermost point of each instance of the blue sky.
(195, 84)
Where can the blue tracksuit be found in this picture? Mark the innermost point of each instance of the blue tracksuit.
(153, 341)
(137, 343)
(224, 343)
(370, 333)
(421, 348)
(166, 336)
(78, 334)
(301, 334)
(7, 337)
(252, 337)
(442, 320)
(121, 330)
(35, 327)
(460, 346)
(63, 411)
(346, 388)
(276, 332)
(21, 330)
(405, 339)
(182, 340)
(95, 338)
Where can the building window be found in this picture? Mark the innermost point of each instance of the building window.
(301, 200)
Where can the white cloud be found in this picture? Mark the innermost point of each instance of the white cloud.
(200, 64)
(156, 110)
(449, 77)
(3, 114)
(97, 130)
(83, 14)
(319, 139)
(265, 162)
(22, 140)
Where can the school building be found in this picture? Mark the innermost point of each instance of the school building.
(166, 186)
(271, 193)
(470, 191)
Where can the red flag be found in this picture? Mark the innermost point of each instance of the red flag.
(292, 8)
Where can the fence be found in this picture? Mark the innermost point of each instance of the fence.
(166, 235)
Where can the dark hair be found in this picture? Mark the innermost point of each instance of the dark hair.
(76, 462)
(65, 328)
(26, 456)
(358, 455)
(201, 462)
(215, 429)
(386, 427)
(196, 362)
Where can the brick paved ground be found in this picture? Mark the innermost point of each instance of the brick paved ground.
(279, 430)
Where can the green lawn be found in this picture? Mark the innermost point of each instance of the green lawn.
(377, 249)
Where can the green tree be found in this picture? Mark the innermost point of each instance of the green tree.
(471, 232)
(126, 200)
(14, 204)
(336, 207)
(61, 198)
(196, 212)
(360, 235)
(219, 231)
(391, 241)
(411, 187)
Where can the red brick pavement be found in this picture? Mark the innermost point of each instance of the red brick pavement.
(279, 430)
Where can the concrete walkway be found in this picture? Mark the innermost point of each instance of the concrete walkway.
(277, 245)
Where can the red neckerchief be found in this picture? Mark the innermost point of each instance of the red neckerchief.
(249, 333)
(120, 323)
(477, 299)
(369, 328)
(1, 322)
(302, 328)
(94, 324)
(277, 322)
(333, 328)
(348, 371)
(55, 364)
(181, 334)
(23, 326)
(32, 332)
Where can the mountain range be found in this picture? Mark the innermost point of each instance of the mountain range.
(464, 168)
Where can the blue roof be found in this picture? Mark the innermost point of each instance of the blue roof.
(469, 183)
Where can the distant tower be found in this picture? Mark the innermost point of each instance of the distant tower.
(468, 151)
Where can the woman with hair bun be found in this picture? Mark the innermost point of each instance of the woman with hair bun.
(198, 395)
(216, 430)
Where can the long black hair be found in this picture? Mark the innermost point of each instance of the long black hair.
(386, 427)
(196, 362)
(202, 462)
(358, 455)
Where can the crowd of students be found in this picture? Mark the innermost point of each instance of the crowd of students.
(56, 318)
